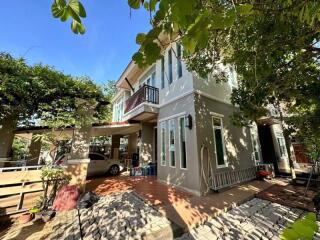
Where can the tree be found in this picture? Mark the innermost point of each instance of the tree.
(272, 44)
(31, 94)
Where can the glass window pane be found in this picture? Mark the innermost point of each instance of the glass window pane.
(183, 143)
(179, 55)
(162, 72)
(172, 143)
(163, 144)
(219, 146)
(170, 66)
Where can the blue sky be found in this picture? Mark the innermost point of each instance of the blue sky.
(28, 29)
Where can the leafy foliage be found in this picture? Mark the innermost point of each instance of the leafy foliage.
(19, 148)
(41, 93)
(71, 9)
(301, 229)
(52, 179)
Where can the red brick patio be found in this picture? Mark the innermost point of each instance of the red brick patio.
(184, 209)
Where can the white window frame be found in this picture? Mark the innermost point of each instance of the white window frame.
(180, 145)
(169, 144)
(255, 137)
(280, 135)
(225, 165)
(163, 126)
(233, 77)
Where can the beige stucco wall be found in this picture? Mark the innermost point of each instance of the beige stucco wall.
(146, 143)
(179, 86)
(238, 144)
(218, 90)
(184, 178)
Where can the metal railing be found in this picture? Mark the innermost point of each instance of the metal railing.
(231, 177)
(145, 94)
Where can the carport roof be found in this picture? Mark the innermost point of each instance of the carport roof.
(98, 129)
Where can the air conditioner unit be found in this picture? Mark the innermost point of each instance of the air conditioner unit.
(268, 167)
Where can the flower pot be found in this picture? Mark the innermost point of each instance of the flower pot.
(26, 217)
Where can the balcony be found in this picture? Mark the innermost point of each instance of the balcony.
(141, 105)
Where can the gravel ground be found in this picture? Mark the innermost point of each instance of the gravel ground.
(255, 219)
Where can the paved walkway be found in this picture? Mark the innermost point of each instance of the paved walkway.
(289, 195)
(182, 208)
(255, 219)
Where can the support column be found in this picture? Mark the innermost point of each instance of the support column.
(7, 128)
(132, 143)
(146, 143)
(78, 163)
(34, 151)
(115, 145)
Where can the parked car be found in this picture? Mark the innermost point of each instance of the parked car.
(99, 164)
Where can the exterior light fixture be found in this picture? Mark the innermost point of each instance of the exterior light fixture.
(189, 121)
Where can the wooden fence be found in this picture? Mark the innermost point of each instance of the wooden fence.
(20, 188)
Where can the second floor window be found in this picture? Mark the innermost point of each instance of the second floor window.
(179, 56)
(170, 66)
(162, 72)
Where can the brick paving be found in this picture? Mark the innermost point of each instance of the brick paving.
(255, 219)
(147, 187)
(123, 216)
(184, 209)
(289, 195)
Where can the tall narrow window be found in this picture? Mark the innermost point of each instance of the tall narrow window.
(182, 137)
(163, 143)
(255, 146)
(162, 72)
(219, 142)
(172, 148)
(233, 81)
(282, 146)
(179, 56)
(170, 66)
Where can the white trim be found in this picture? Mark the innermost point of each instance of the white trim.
(176, 98)
(225, 165)
(218, 115)
(193, 91)
(165, 145)
(172, 116)
(140, 105)
(5, 159)
(199, 92)
(77, 161)
(185, 135)
(174, 139)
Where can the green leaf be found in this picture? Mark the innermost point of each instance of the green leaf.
(73, 14)
(244, 9)
(135, 4)
(140, 38)
(56, 10)
(65, 16)
(138, 58)
(78, 8)
(77, 27)
(152, 51)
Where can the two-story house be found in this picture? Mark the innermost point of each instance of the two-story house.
(185, 125)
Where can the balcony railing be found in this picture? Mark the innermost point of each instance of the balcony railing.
(145, 94)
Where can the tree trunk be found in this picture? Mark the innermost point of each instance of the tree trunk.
(7, 127)
(287, 139)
